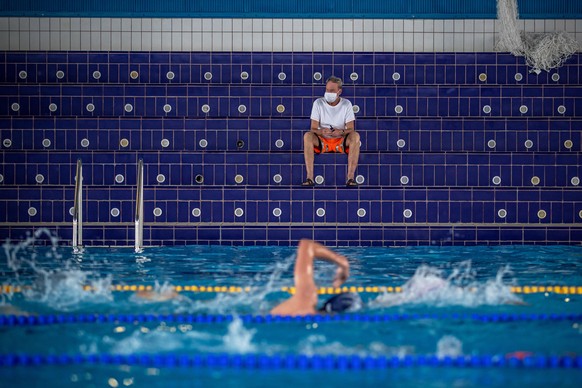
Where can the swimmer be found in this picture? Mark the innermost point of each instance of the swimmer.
(8, 309)
(157, 296)
(304, 301)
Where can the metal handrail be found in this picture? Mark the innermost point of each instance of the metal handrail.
(139, 208)
(78, 208)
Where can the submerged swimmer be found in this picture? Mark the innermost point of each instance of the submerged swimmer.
(304, 301)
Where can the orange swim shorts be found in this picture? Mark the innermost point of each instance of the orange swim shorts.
(337, 144)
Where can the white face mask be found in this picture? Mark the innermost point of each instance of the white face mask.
(330, 97)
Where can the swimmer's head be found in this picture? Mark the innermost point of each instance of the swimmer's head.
(341, 303)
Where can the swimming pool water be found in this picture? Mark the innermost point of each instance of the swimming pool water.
(437, 281)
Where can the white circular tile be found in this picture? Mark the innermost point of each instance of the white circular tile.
(277, 212)
(317, 76)
(535, 180)
(528, 144)
(46, 143)
(203, 143)
(244, 75)
(15, 107)
(407, 213)
(119, 178)
(542, 214)
(396, 76)
(115, 212)
(157, 212)
(72, 211)
(487, 109)
(354, 76)
(561, 109)
(96, 74)
(282, 76)
(7, 143)
(161, 178)
(85, 143)
(491, 143)
(39, 178)
(1, 178)
(404, 180)
(320, 212)
(196, 212)
(128, 108)
(239, 178)
(356, 108)
(90, 107)
(280, 108)
(170, 75)
(205, 108)
(319, 179)
(361, 212)
(239, 212)
(208, 76)
(482, 77)
(242, 108)
(134, 74)
(22, 74)
(575, 181)
(555, 77)
(360, 179)
(580, 214)
(60, 74)
(199, 179)
(167, 108)
(518, 77)
(398, 109)
(523, 109)
(401, 143)
(32, 211)
(165, 143)
(568, 144)
(124, 142)
(279, 143)
(496, 180)
(277, 178)
(53, 107)
(502, 213)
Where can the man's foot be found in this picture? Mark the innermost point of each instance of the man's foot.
(351, 183)
(308, 182)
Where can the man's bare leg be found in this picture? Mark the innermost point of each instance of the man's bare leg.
(310, 140)
(353, 142)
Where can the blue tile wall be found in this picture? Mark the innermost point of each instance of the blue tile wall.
(463, 175)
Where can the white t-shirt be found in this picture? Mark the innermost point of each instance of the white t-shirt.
(332, 116)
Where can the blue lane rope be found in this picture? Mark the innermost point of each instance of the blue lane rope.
(290, 361)
(41, 320)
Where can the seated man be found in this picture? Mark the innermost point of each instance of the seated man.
(332, 130)
(304, 300)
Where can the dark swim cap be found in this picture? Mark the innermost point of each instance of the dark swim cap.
(346, 301)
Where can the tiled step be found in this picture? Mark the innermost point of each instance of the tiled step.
(484, 169)
(327, 205)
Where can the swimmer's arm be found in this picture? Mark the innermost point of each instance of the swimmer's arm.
(307, 251)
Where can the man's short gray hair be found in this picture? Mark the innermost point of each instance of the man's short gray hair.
(335, 80)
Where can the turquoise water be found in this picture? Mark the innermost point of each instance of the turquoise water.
(436, 280)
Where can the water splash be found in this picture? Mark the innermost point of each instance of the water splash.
(59, 288)
(165, 338)
(449, 346)
(432, 286)
(318, 344)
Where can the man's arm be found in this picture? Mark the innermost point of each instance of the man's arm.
(320, 131)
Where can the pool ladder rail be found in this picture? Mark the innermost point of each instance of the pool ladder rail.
(139, 209)
(78, 209)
